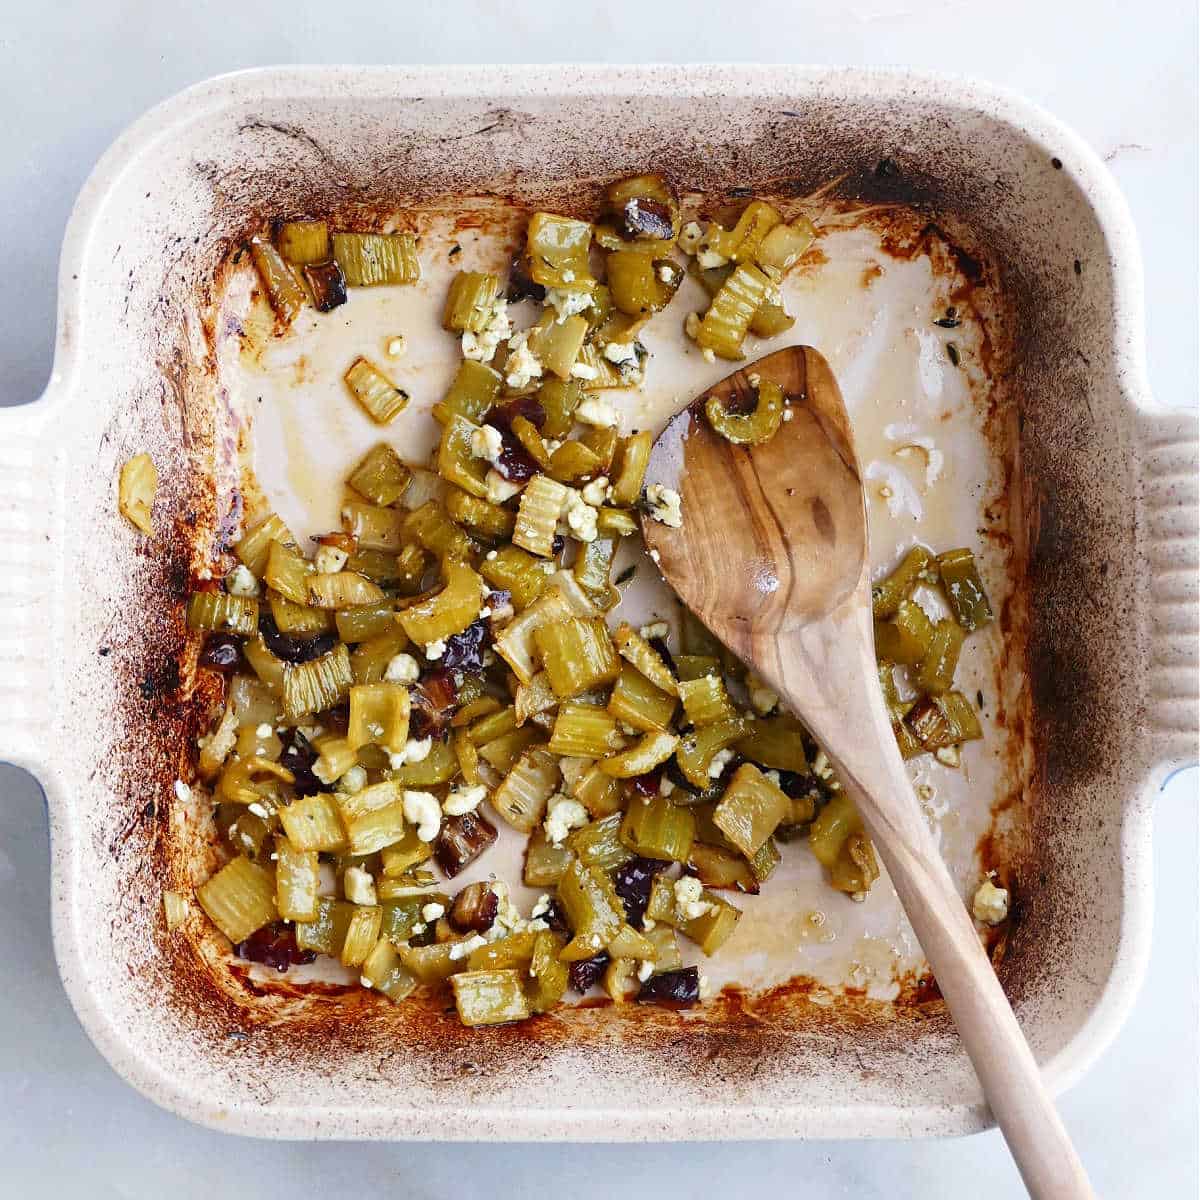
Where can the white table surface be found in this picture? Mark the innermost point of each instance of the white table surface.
(72, 75)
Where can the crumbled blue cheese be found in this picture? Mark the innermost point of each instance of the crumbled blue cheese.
(487, 443)
(241, 582)
(788, 415)
(432, 911)
(500, 489)
(402, 668)
(708, 354)
(689, 897)
(720, 761)
(562, 815)
(620, 353)
(354, 780)
(708, 259)
(330, 560)
(183, 793)
(466, 948)
(665, 786)
(415, 750)
(423, 810)
(573, 768)
(584, 371)
(435, 650)
(464, 800)
(598, 411)
(656, 629)
(690, 237)
(762, 699)
(521, 367)
(397, 346)
(541, 906)
(990, 904)
(691, 325)
(666, 274)
(597, 491)
(580, 517)
(358, 886)
(665, 505)
(482, 346)
(566, 302)
(258, 810)
(645, 970)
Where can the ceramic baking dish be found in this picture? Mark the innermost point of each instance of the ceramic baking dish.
(98, 696)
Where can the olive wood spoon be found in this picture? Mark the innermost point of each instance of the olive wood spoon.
(772, 557)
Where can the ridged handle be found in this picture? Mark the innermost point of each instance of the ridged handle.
(28, 544)
(1170, 443)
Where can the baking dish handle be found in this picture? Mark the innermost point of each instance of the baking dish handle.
(1170, 462)
(30, 490)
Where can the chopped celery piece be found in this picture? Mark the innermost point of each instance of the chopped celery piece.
(500, 753)
(367, 259)
(287, 572)
(705, 700)
(297, 878)
(493, 724)
(380, 476)
(697, 749)
(298, 618)
(696, 666)
(656, 828)
(341, 589)
(474, 389)
(450, 611)
(469, 301)
(750, 810)
(541, 505)
(832, 826)
(641, 283)
(432, 964)
(945, 720)
(239, 899)
(326, 933)
(136, 489)
(440, 765)
(285, 292)
(548, 975)
(775, 742)
(719, 867)
(222, 613)
(598, 844)
(255, 545)
(632, 460)
(314, 686)
(430, 526)
(574, 461)
(401, 856)
(638, 652)
(577, 655)
(637, 702)
(749, 429)
(516, 950)
(727, 321)
(906, 637)
(536, 696)
(785, 245)
(481, 518)
(599, 793)
(651, 751)
(558, 252)
(592, 907)
(313, 823)
(303, 242)
(516, 644)
(517, 572)
(364, 621)
(556, 343)
(384, 971)
(559, 399)
(521, 798)
(361, 934)
(936, 673)
(544, 861)
(380, 398)
(916, 566)
(742, 242)
(379, 715)
(964, 589)
(583, 730)
(369, 660)
(455, 461)
(489, 997)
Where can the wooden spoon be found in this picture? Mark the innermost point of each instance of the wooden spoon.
(772, 557)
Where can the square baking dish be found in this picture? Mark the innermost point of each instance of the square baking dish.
(96, 697)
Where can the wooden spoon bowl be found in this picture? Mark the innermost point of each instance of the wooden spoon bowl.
(773, 557)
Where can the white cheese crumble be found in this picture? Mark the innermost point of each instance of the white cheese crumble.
(665, 505)
(482, 346)
(435, 650)
(719, 762)
(414, 751)
(464, 949)
(691, 325)
(541, 906)
(620, 352)
(596, 492)
(521, 367)
(258, 810)
(762, 698)
(464, 800)
(596, 410)
(649, 923)
(990, 904)
(709, 259)
(241, 582)
(573, 768)
(580, 517)
(788, 415)
(690, 236)
(430, 912)
(422, 810)
(562, 815)
(396, 346)
(402, 668)
(487, 443)
(566, 302)
(358, 886)
(665, 786)
(665, 273)
(656, 629)
(689, 897)
(645, 970)
(584, 371)
(330, 560)
(500, 489)
(354, 780)
(708, 354)
(264, 731)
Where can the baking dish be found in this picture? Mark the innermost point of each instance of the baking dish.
(95, 703)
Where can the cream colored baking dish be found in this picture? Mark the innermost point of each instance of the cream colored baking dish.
(99, 700)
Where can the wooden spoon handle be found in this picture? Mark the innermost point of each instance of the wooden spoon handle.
(1003, 1061)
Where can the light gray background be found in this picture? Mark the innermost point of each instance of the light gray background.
(72, 75)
